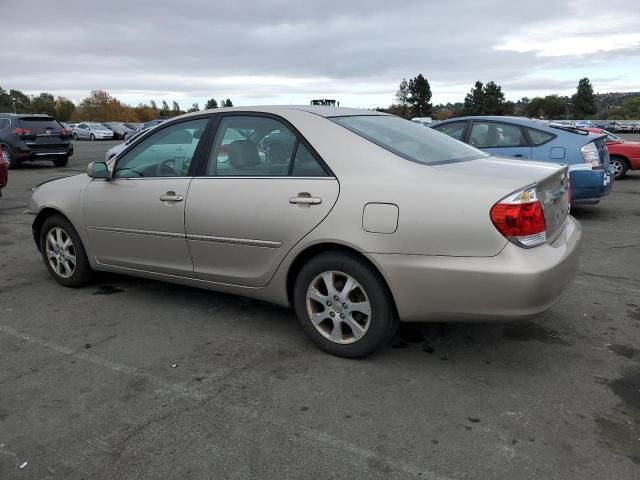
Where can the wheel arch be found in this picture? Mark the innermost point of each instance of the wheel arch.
(311, 251)
(42, 215)
(621, 157)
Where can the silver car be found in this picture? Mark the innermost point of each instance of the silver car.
(92, 131)
(355, 218)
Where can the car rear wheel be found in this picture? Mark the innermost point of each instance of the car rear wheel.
(61, 162)
(63, 253)
(8, 158)
(343, 304)
(620, 166)
(92, 137)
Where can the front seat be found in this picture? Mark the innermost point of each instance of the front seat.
(244, 156)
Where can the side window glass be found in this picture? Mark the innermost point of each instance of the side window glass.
(4, 123)
(454, 130)
(493, 134)
(251, 146)
(539, 137)
(305, 164)
(166, 153)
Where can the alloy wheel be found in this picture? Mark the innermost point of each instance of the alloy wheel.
(338, 307)
(61, 252)
(617, 167)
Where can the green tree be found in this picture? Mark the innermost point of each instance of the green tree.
(419, 95)
(164, 111)
(474, 101)
(211, 103)
(533, 109)
(152, 104)
(553, 107)
(44, 103)
(403, 92)
(64, 109)
(631, 108)
(227, 103)
(487, 100)
(194, 108)
(175, 109)
(583, 102)
(20, 101)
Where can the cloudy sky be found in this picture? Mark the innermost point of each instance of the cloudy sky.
(291, 51)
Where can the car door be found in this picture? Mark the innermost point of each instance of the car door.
(262, 190)
(82, 130)
(499, 138)
(135, 219)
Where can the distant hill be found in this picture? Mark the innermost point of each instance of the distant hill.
(613, 99)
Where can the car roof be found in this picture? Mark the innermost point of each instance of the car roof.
(327, 112)
(30, 115)
(498, 118)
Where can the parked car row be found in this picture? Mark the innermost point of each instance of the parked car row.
(527, 139)
(355, 218)
(614, 126)
(624, 154)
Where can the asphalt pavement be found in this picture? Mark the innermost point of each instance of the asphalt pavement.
(136, 379)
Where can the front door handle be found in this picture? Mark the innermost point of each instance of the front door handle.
(171, 197)
(305, 200)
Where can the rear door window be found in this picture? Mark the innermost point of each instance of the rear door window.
(495, 134)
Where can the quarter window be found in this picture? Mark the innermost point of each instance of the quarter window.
(495, 134)
(538, 137)
(166, 153)
(305, 164)
(454, 130)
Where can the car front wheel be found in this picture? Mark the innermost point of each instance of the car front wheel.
(620, 167)
(343, 304)
(92, 137)
(63, 253)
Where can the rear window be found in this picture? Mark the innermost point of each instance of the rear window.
(40, 124)
(409, 140)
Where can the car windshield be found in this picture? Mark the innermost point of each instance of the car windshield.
(409, 140)
(97, 126)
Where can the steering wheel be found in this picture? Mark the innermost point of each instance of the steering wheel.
(165, 168)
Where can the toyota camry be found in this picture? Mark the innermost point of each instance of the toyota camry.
(357, 219)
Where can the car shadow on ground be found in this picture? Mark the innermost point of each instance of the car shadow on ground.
(477, 342)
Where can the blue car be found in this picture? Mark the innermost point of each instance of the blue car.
(527, 139)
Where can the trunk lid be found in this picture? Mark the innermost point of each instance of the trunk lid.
(505, 176)
(45, 132)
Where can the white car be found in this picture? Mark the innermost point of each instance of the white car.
(92, 131)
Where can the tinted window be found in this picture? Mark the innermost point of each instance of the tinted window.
(538, 137)
(494, 134)
(305, 164)
(4, 123)
(251, 146)
(40, 124)
(408, 140)
(166, 153)
(454, 130)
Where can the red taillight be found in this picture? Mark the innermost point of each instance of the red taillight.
(22, 131)
(65, 132)
(520, 218)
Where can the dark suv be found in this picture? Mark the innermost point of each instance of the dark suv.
(29, 137)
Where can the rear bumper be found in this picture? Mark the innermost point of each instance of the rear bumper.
(589, 186)
(24, 152)
(515, 284)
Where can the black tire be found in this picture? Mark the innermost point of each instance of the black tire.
(382, 319)
(75, 137)
(92, 137)
(620, 166)
(82, 273)
(61, 162)
(11, 162)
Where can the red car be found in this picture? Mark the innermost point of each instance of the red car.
(625, 155)
(4, 172)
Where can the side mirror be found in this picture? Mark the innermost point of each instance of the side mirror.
(97, 170)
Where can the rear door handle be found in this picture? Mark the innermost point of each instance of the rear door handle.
(305, 200)
(171, 197)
